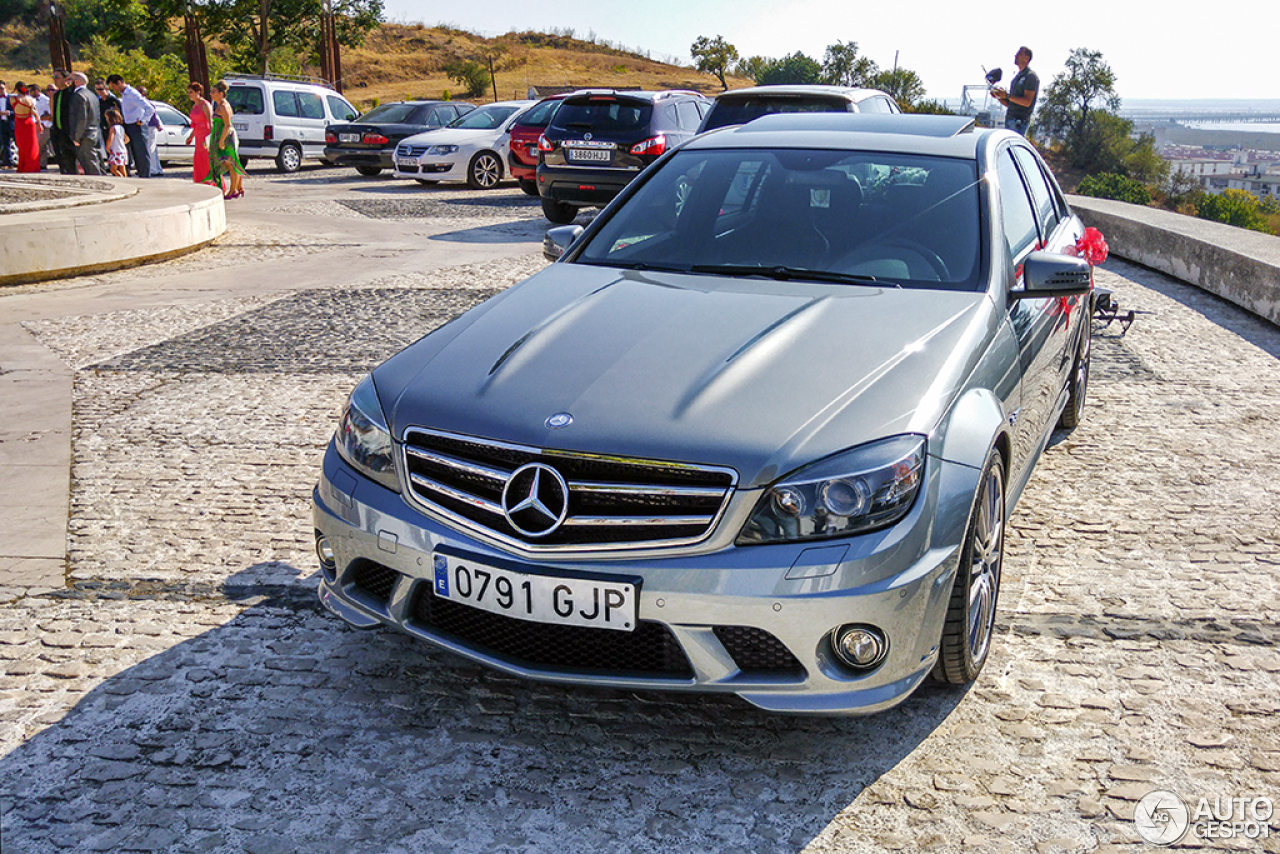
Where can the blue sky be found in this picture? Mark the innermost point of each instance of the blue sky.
(1157, 51)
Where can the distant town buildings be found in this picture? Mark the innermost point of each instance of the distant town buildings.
(1251, 170)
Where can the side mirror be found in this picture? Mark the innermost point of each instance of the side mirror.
(557, 240)
(1047, 274)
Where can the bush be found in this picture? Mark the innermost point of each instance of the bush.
(470, 74)
(1108, 185)
(1235, 207)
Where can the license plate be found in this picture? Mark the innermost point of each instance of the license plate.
(537, 598)
(239, 125)
(408, 164)
(348, 137)
(590, 155)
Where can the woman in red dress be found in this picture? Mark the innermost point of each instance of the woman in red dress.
(201, 122)
(26, 130)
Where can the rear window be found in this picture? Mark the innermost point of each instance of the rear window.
(245, 99)
(391, 114)
(603, 115)
(739, 111)
(540, 115)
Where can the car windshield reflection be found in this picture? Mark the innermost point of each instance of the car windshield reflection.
(853, 217)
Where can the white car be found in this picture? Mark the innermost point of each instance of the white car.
(171, 137)
(473, 148)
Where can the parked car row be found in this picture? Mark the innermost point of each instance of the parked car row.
(573, 150)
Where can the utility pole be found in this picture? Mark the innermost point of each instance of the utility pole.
(59, 50)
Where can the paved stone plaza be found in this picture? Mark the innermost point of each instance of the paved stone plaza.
(183, 690)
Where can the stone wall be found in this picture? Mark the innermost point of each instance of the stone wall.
(1239, 265)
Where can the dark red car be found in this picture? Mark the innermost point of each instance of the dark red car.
(522, 159)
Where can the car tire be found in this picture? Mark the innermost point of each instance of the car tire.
(289, 159)
(561, 213)
(484, 171)
(529, 186)
(971, 611)
(369, 171)
(1078, 381)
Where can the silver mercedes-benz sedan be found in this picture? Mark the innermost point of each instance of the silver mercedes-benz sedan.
(757, 431)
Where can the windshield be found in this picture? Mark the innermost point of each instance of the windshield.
(390, 114)
(739, 111)
(893, 219)
(484, 118)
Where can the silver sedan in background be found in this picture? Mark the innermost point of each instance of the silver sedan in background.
(757, 431)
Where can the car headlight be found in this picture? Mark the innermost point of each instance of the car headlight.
(869, 487)
(438, 150)
(363, 438)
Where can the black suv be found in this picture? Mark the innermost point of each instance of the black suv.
(600, 139)
(368, 143)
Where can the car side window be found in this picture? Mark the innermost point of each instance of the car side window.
(1015, 205)
(309, 105)
(434, 117)
(688, 115)
(245, 99)
(1041, 194)
(341, 110)
(284, 103)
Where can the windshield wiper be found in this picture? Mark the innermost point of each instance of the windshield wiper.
(786, 274)
(632, 265)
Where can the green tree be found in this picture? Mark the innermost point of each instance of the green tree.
(752, 67)
(253, 29)
(903, 84)
(1108, 185)
(1234, 207)
(843, 66)
(1071, 103)
(795, 68)
(714, 56)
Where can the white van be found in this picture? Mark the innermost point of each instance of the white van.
(283, 118)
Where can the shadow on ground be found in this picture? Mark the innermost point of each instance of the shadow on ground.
(284, 730)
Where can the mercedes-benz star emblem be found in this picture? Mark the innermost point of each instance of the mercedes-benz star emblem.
(559, 420)
(535, 500)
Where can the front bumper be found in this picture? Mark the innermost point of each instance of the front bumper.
(703, 604)
(435, 170)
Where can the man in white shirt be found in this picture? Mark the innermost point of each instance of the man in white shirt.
(138, 113)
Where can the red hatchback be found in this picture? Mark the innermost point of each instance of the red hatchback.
(522, 159)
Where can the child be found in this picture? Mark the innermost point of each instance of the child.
(116, 156)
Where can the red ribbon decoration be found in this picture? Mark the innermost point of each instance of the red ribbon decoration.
(1093, 246)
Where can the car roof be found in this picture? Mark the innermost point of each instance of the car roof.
(950, 136)
(638, 94)
(853, 93)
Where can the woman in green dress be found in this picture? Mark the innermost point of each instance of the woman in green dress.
(225, 170)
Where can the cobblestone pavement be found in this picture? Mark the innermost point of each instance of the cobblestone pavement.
(185, 692)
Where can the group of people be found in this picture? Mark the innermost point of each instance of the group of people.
(110, 127)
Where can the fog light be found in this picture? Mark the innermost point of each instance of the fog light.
(859, 647)
(325, 552)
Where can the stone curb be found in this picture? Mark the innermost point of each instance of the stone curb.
(138, 220)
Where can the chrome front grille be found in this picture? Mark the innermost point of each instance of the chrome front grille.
(407, 150)
(612, 502)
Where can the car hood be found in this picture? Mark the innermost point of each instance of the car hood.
(455, 136)
(754, 374)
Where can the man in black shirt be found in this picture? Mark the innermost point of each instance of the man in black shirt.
(1020, 99)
